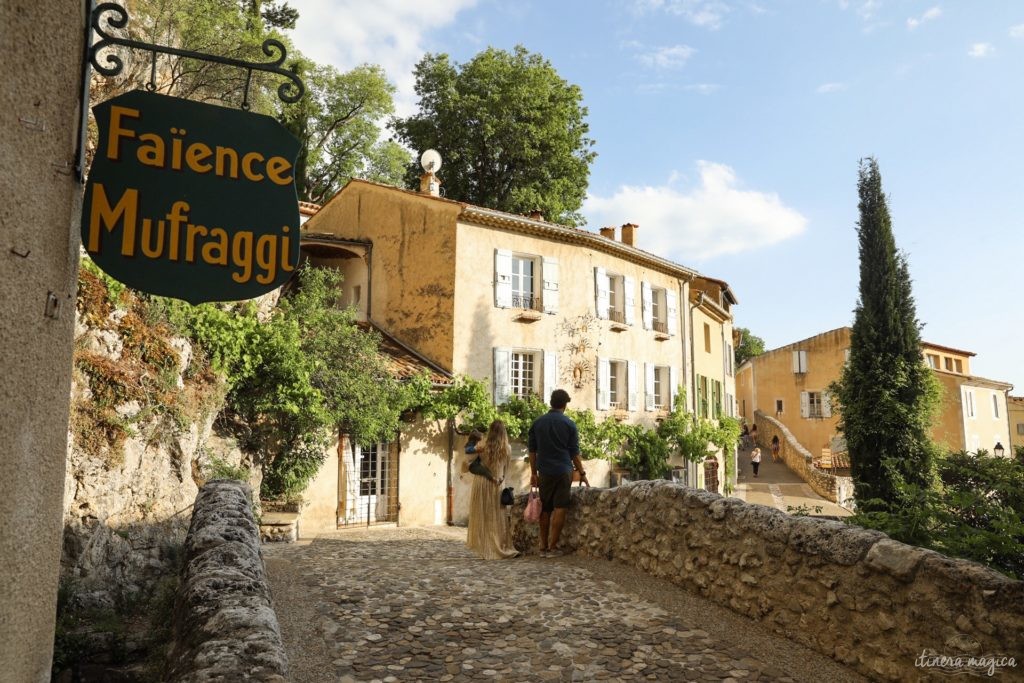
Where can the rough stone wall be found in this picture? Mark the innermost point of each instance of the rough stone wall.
(797, 458)
(125, 518)
(850, 593)
(225, 628)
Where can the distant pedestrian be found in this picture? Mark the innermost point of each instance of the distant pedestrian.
(745, 436)
(755, 460)
(554, 446)
(775, 448)
(487, 534)
(753, 434)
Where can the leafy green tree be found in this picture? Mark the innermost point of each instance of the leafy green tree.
(750, 345)
(338, 124)
(886, 394)
(511, 131)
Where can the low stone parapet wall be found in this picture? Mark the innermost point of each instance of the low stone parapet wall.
(224, 624)
(850, 593)
(797, 458)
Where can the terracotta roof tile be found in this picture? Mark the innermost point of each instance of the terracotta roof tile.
(403, 362)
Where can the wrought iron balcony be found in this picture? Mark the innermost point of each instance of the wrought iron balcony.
(527, 301)
(660, 326)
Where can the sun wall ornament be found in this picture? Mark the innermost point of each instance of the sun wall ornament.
(579, 371)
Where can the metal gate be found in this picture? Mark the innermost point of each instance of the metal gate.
(370, 486)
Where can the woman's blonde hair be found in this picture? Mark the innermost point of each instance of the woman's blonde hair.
(497, 441)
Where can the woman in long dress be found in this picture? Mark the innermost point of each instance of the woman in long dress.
(488, 529)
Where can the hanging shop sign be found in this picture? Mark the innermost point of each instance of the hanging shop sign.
(191, 200)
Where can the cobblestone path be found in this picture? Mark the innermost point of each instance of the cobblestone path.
(416, 605)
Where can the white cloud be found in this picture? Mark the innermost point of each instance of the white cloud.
(1017, 31)
(702, 88)
(717, 217)
(929, 15)
(981, 50)
(704, 13)
(347, 33)
(830, 87)
(672, 57)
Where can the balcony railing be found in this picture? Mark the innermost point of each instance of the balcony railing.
(616, 316)
(660, 326)
(527, 301)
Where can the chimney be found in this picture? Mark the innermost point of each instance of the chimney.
(629, 234)
(535, 214)
(609, 232)
(429, 184)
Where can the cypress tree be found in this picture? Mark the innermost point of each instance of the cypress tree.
(886, 393)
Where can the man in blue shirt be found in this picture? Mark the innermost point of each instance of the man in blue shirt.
(554, 446)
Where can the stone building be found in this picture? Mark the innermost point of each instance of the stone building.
(791, 384)
(527, 306)
(1015, 411)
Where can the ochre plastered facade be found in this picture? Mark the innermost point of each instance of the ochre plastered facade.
(972, 413)
(426, 270)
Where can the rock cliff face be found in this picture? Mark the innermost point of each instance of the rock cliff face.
(142, 441)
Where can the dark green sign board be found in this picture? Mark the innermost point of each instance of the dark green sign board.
(191, 200)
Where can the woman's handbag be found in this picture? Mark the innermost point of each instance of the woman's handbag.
(532, 512)
(508, 495)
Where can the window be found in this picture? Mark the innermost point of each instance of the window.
(716, 399)
(660, 388)
(995, 406)
(778, 406)
(520, 372)
(707, 338)
(1020, 428)
(729, 359)
(614, 296)
(949, 363)
(969, 403)
(933, 361)
(703, 397)
(658, 310)
(518, 279)
(800, 362)
(522, 376)
(959, 365)
(729, 405)
(524, 283)
(617, 385)
(815, 404)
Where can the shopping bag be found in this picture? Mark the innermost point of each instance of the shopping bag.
(532, 512)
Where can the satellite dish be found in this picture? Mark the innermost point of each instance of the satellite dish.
(430, 161)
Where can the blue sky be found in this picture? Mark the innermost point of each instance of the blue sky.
(730, 130)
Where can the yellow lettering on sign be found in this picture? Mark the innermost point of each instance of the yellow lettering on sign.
(152, 153)
(275, 167)
(195, 156)
(117, 132)
(102, 215)
(241, 254)
(247, 166)
(190, 241)
(285, 251)
(221, 247)
(228, 154)
(148, 247)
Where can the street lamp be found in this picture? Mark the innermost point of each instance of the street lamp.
(998, 450)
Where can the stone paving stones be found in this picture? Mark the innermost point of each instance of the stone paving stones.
(417, 605)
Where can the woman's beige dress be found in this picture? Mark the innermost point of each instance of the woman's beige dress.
(488, 535)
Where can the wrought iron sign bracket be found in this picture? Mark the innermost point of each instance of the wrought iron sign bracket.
(100, 24)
